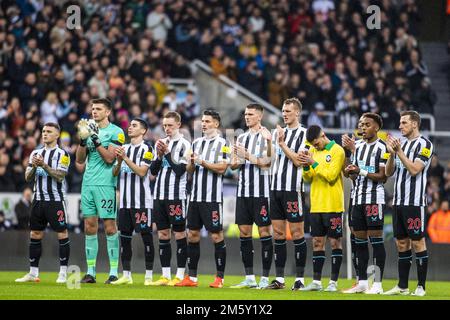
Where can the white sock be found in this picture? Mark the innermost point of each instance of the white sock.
(364, 282)
(280, 279)
(166, 272)
(264, 278)
(357, 278)
(62, 269)
(180, 273)
(148, 274)
(301, 279)
(193, 278)
(332, 281)
(376, 285)
(127, 274)
(250, 277)
(34, 271)
(318, 282)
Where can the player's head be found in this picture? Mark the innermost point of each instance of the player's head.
(359, 128)
(409, 122)
(138, 127)
(210, 121)
(316, 137)
(253, 114)
(371, 123)
(50, 133)
(171, 123)
(101, 109)
(291, 110)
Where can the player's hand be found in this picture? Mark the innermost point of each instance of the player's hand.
(38, 160)
(305, 158)
(393, 144)
(83, 131)
(280, 134)
(120, 153)
(265, 133)
(352, 169)
(240, 150)
(348, 143)
(93, 127)
(161, 148)
(196, 159)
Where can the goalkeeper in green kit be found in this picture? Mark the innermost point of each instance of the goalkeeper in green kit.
(98, 138)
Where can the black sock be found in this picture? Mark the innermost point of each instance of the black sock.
(379, 255)
(125, 250)
(300, 257)
(35, 252)
(404, 265)
(336, 261)
(64, 252)
(267, 254)
(422, 267)
(318, 261)
(362, 253)
(247, 254)
(220, 254)
(165, 253)
(280, 257)
(193, 257)
(354, 258)
(181, 253)
(147, 239)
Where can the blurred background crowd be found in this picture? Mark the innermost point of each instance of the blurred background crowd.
(320, 51)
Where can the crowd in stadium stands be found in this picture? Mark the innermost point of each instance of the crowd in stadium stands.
(320, 51)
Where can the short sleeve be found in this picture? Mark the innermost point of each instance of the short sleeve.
(425, 152)
(147, 157)
(118, 138)
(64, 162)
(225, 151)
(384, 156)
(30, 163)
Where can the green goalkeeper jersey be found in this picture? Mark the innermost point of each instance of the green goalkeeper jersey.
(98, 172)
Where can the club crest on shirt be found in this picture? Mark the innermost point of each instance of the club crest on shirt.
(328, 158)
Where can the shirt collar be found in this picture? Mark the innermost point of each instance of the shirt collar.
(330, 145)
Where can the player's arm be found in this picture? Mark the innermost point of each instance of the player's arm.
(178, 168)
(290, 154)
(60, 172)
(218, 168)
(140, 170)
(390, 163)
(81, 154)
(413, 167)
(221, 166)
(116, 168)
(30, 172)
(56, 174)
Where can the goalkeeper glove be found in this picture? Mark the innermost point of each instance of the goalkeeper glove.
(93, 129)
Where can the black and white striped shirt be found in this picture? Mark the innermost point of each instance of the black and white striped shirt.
(286, 176)
(253, 181)
(45, 187)
(369, 157)
(207, 185)
(135, 191)
(409, 190)
(352, 157)
(168, 186)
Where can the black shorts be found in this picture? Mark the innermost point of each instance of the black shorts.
(138, 220)
(48, 212)
(252, 210)
(286, 205)
(409, 222)
(208, 214)
(368, 217)
(169, 213)
(326, 224)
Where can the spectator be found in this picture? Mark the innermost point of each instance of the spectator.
(49, 107)
(159, 23)
(23, 209)
(439, 224)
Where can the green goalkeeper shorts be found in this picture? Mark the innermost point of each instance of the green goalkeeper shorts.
(98, 201)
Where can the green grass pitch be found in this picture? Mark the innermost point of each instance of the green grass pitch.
(49, 289)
